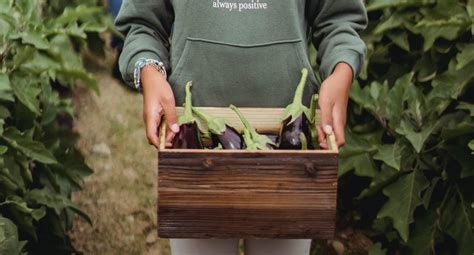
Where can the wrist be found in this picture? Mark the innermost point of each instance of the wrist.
(343, 74)
(344, 70)
(151, 78)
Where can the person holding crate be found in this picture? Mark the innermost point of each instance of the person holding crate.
(248, 53)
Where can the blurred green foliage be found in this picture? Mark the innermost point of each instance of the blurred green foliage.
(40, 61)
(407, 170)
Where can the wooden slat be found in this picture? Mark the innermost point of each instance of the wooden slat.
(263, 119)
(245, 223)
(253, 195)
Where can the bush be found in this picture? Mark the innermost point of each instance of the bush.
(407, 170)
(39, 165)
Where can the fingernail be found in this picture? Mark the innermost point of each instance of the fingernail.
(175, 128)
(321, 145)
(327, 129)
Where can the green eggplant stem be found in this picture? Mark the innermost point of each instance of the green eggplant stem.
(206, 117)
(312, 107)
(304, 142)
(247, 138)
(246, 123)
(188, 107)
(187, 116)
(300, 88)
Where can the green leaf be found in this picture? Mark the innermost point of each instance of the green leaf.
(391, 154)
(426, 68)
(79, 12)
(22, 214)
(9, 239)
(455, 220)
(54, 201)
(385, 177)
(4, 113)
(80, 74)
(36, 39)
(40, 63)
(417, 139)
(464, 157)
(356, 154)
(22, 55)
(373, 5)
(3, 149)
(27, 146)
(465, 56)
(452, 83)
(395, 102)
(471, 146)
(27, 94)
(457, 125)
(400, 38)
(404, 197)
(446, 20)
(394, 21)
(4, 82)
(423, 237)
(466, 106)
(429, 192)
(470, 11)
(376, 249)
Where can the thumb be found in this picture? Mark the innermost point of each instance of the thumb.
(326, 116)
(171, 120)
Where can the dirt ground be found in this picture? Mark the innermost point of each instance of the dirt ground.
(120, 196)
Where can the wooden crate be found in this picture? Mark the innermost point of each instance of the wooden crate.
(247, 194)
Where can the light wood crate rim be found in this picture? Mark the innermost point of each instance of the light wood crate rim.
(272, 118)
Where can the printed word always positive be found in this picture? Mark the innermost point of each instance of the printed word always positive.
(231, 6)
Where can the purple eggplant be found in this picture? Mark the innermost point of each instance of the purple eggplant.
(252, 139)
(295, 132)
(188, 136)
(221, 132)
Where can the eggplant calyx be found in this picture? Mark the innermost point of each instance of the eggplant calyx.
(296, 108)
(214, 124)
(188, 117)
(253, 140)
(249, 143)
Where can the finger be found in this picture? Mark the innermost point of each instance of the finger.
(151, 125)
(339, 123)
(339, 116)
(321, 134)
(169, 139)
(322, 138)
(171, 118)
(326, 115)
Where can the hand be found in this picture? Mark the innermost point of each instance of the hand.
(158, 99)
(333, 99)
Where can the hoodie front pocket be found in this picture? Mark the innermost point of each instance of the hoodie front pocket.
(259, 75)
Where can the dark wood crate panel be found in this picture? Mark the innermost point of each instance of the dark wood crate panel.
(206, 194)
(247, 194)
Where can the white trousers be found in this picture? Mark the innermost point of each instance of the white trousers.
(230, 246)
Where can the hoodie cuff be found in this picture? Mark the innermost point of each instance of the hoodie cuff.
(142, 62)
(350, 57)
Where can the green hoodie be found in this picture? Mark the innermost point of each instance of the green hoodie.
(241, 52)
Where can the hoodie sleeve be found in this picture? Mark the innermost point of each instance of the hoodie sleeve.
(146, 26)
(335, 27)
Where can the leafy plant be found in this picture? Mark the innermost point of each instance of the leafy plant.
(407, 169)
(40, 43)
